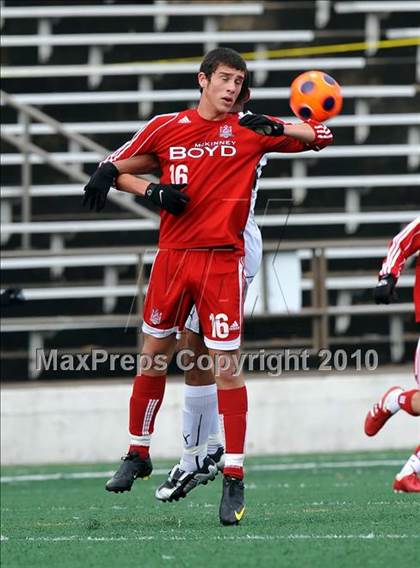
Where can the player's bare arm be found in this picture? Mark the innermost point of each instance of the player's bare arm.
(130, 168)
(315, 134)
(167, 196)
(138, 164)
(302, 132)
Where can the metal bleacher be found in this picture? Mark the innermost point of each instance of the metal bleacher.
(112, 287)
(333, 211)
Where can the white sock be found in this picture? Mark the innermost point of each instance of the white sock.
(412, 465)
(200, 404)
(391, 402)
(215, 437)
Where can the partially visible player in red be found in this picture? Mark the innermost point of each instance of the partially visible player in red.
(402, 246)
(210, 157)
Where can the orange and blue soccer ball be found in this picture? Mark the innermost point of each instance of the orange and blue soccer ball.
(316, 95)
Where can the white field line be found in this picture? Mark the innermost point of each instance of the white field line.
(247, 537)
(261, 467)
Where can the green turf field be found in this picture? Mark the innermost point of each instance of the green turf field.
(338, 512)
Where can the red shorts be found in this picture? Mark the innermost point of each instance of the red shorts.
(212, 280)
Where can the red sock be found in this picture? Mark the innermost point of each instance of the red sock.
(233, 406)
(145, 401)
(404, 400)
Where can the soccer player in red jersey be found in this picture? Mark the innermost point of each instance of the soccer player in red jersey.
(208, 159)
(402, 246)
(200, 393)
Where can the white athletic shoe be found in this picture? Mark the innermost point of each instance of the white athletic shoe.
(181, 482)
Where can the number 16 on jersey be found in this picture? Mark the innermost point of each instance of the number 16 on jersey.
(179, 173)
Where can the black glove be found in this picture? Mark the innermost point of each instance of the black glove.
(12, 296)
(384, 293)
(262, 124)
(97, 188)
(168, 197)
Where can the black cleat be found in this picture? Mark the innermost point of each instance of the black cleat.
(232, 505)
(181, 482)
(131, 468)
(219, 457)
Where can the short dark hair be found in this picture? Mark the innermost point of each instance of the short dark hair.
(224, 56)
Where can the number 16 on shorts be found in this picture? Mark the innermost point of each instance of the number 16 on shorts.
(219, 326)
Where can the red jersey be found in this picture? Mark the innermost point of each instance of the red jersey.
(219, 162)
(402, 246)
